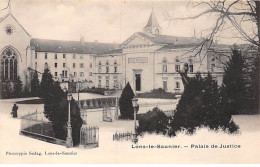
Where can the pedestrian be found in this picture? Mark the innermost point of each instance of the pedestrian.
(14, 111)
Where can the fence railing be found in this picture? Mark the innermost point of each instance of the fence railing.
(89, 136)
(123, 136)
(38, 128)
(98, 103)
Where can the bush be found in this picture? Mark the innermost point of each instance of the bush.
(154, 121)
(201, 106)
(125, 103)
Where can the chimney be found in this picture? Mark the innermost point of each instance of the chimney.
(82, 40)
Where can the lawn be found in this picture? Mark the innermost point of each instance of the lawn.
(158, 93)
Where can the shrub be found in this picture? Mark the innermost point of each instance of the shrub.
(154, 121)
(125, 103)
(201, 106)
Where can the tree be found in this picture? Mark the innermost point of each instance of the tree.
(56, 110)
(35, 85)
(18, 88)
(125, 103)
(46, 83)
(237, 14)
(200, 106)
(234, 83)
(154, 121)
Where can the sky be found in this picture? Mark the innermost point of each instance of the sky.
(105, 21)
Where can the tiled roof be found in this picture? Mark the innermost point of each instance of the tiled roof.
(59, 46)
(166, 39)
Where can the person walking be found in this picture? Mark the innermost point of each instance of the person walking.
(14, 111)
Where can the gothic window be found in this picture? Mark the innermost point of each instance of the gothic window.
(164, 65)
(9, 64)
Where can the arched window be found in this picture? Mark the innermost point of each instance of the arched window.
(164, 65)
(107, 67)
(177, 65)
(9, 64)
(115, 67)
(157, 32)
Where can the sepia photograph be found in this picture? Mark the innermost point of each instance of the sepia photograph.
(129, 81)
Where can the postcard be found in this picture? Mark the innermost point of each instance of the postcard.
(129, 82)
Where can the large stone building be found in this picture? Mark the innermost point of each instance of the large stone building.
(147, 60)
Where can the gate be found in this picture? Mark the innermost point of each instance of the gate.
(89, 136)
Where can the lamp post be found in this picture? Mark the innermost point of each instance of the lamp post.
(69, 142)
(135, 105)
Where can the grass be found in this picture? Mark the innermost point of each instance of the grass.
(158, 94)
(41, 128)
(34, 101)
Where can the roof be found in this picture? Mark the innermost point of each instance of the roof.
(172, 46)
(115, 51)
(60, 46)
(152, 21)
(166, 39)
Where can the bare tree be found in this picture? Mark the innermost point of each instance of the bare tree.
(239, 13)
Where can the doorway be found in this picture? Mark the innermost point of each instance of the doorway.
(138, 82)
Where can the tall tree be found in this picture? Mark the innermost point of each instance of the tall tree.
(46, 83)
(125, 103)
(234, 83)
(18, 88)
(35, 85)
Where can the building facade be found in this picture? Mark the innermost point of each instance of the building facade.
(147, 60)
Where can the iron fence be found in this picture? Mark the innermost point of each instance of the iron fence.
(89, 136)
(123, 136)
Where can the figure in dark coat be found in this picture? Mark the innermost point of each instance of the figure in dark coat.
(14, 111)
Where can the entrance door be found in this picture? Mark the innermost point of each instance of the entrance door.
(138, 82)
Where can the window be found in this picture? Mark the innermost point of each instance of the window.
(99, 83)
(64, 73)
(115, 82)
(212, 67)
(36, 55)
(107, 67)
(75, 74)
(115, 67)
(213, 59)
(90, 74)
(56, 74)
(55, 56)
(45, 65)
(35, 65)
(46, 55)
(81, 65)
(177, 67)
(99, 67)
(64, 64)
(177, 86)
(9, 64)
(90, 65)
(177, 60)
(164, 66)
(165, 85)
(74, 65)
(74, 56)
(191, 68)
(64, 56)
(81, 74)
(56, 65)
(107, 82)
